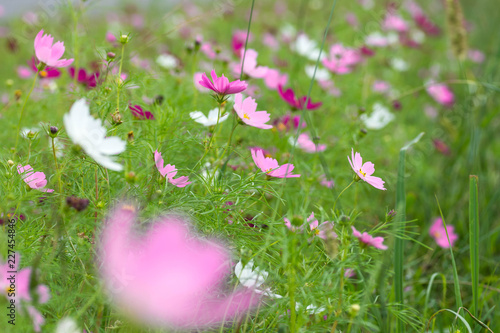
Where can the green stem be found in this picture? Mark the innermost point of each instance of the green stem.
(57, 168)
(24, 106)
(335, 203)
(119, 80)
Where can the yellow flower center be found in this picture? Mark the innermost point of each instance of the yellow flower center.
(363, 173)
(246, 116)
(316, 231)
(43, 73)
(437, 234)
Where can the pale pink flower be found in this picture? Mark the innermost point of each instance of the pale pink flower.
(395, 22)
(110, 37)
(271, 167)
(50, 54)
(381, 86)
(329, 87)
(273, 79)
(169, 172)
(196, 79)
(250, 67)
(341, 60)
(168, 277)
(352, 20)
(476, 56)
(246, 110)
(441, 94)
(21, 294)
(35, 180)
(207, 49)
(365, 171)
(438, 232)
(349, 273)
(366, 238)
(325, 182)
(323, 230)
(270, 41)
(221, 85)
(305, 143)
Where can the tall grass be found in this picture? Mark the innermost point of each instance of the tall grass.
(474, 241)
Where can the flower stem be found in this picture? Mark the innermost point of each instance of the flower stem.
(341, 194)
(24, 106)
(57, 168)
(119, 80)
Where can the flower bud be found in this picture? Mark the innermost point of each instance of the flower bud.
(53, 130)
(77, 203)
(10, 162)
(354, 309)
(130, 136)
(130, 177)
(110, 56)
(116, 118)
(9, 83)
(124, 39)
(18, 94)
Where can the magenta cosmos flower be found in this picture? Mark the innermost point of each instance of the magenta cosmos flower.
(295, 102)
(368, 239)
(271, 167)
(35, 180)
(168, 277)
(365, 171)
(21, 292)
(50, 54)
(139, 113)
(169, 172)
(88, 80)
(221, 85)
(246, 110)
(438, 232)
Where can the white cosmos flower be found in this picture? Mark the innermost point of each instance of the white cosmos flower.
(67, 325)
(253, 277)
(399, 64)
(307, 47)
(322, 74)
(88, 132)
(167, 61)
(379, 117)
(25, 131)
(200, 117)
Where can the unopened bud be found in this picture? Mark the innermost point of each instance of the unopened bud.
(18, 94)
(130, 177)
(130, 136)
(116, 118)
(110, 56)
(354, 309)
(10, 162)
(9, 83)
(124, 39)
(53, 130)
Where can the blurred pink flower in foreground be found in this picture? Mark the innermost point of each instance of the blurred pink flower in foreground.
(365, 171)
(368, 239)
(50, 54)
(296, 102)
(441, 94)
(169, 172)
(250, 67)
(271, 167)
(238, 41)
(246, 110)
(21, 292)
(167, 276)
(273, 79)
(221, 85)
(438, 232)
(35, 180)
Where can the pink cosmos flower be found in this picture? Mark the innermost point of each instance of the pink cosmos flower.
(139, 113)
(35, 180)
(325, 182)
(441, 147)
(365, 171)
(246, 110)
(366, 238)
(273, 78)
(250, 67)
(438, 232)
(221, 85)
(341, 59)
(208, 50)
(270, 41)
(197, 79)
(110, 37)
(306, 144)
(349, 273)
(46, 73)
(381, 86)
(329, 87)
(395, 22)
(168, 277)
(22, 289)
(50, 54)
(323, 230)
(476, 56)
(441, 94)
(288, 122)
(169, 172)
(88, 80)
(271, 167)
(295, 102)
(238, 41)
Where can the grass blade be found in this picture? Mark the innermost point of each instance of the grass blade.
(400, 229)
(474, 241)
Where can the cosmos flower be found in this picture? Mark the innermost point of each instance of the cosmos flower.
(50, 54)
(88, 132)
(46, 73)
(271, 167)
(253, 277)
(305, 143)
(139, 113)
(221, 85)
(365, 171)
(88, 80)
(238, 41)
(250, 67)
(306, 47)
(211, 120)
(296, 102)
(379, 118)
(341, 60)
(167, 61)
(22, 289)
(395, 22)
(180, 275)
(246, 110)
(323, 230)
(35, 180)
(169, 172)
(441, 94)
(288, 122)
(273, 79)
(366, 238)
(438, 232)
